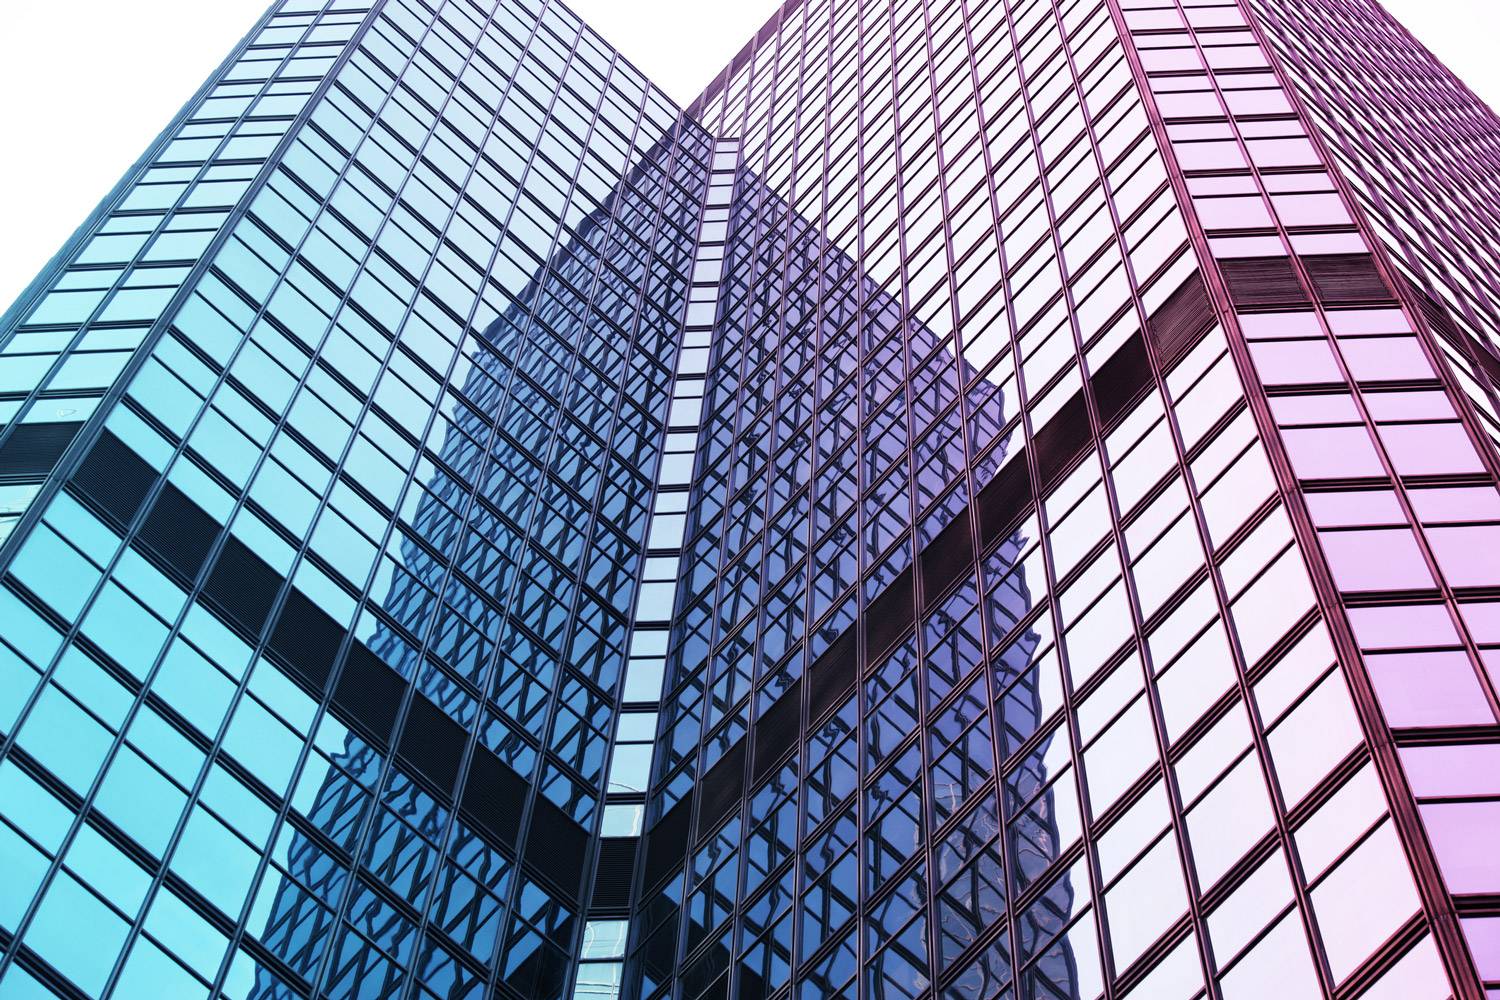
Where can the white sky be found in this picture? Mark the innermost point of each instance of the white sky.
(85, 85)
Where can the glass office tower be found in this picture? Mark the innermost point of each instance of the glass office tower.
(997, 499)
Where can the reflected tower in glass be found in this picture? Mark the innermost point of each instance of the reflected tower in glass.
(996, 499)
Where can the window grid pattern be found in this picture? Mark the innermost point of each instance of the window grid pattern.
(1364, 415)
(1256, 577)
(601, 969)
(999, 527)
(1427, 184)
(780, 99)
(68, 338)
(310, 669)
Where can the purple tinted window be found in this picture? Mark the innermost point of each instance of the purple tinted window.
(1483, 619)
(1310, 209)
(1437, 772)
(1428, 689)
(1282, 362)
(1469, 556)
(1430, 449)
(1363, 507)
(1458, 503)
(1378, 559)
(1257, 326)
(1484, 941)
(1463, 834)
(1332, 453)
(1379, 359)
(1248, 212)
(1405, 625)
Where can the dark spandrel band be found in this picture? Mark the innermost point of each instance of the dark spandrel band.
(305, 642)
(983, 505)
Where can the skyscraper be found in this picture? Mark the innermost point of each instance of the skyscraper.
(997, 499)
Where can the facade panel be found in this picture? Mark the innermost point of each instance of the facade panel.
(995, 500)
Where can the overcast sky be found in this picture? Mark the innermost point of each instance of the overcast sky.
(85, 85)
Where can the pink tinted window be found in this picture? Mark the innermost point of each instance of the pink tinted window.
(1463, 836)
(1145, 20)
(1450, 771)
(1158, 60)
(1405, 625)
(1387, 406)
(1430, 449)
(1284, 362)
(1365, 899)
(1469, 556)
(1257, 102)
(1205, 130)
(1307, 209)
(1313, 409)
(1316, 243)
(1248, 212)
(1428, 689)
(1345, 321)
(1209, 155)
(1458, 503)
(1385, 358)
(1483, 619)
(1332, 510)
(1279, 965)
(1188, 105)
(1235, 57)
(1215, 17)
(1314, 737)
(1290, 183)
(1419, 975)
(1283, 153)
(1294, 324)
(1247, 246)
(1378, 559)
(1484, 941)
(1331, 452)
(1204, 186)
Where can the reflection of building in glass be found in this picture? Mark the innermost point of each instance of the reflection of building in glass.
(792, 304)
(537, 472)
(995, 500)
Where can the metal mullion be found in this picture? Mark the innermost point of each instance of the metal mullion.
(786, 224)
(1198, 242)
(338, 911)
(1287, 488)
(1431, 889)
(322, 709)
(759, 538)
(856, 331)
(152, 332)
(39, 285)
(1101, 927)
(673, 686)
(465, 517)
(633, 934)
(1375, 192)
(960, 413)
(855, 10)
(114, 394)
(648, 272)
(1425, 337)
(192, 795)
(1023, 424)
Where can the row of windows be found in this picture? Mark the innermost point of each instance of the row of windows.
(1214, 628)
(1363, 434)
(291, 402)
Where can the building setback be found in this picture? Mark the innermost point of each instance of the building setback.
(996, 499)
